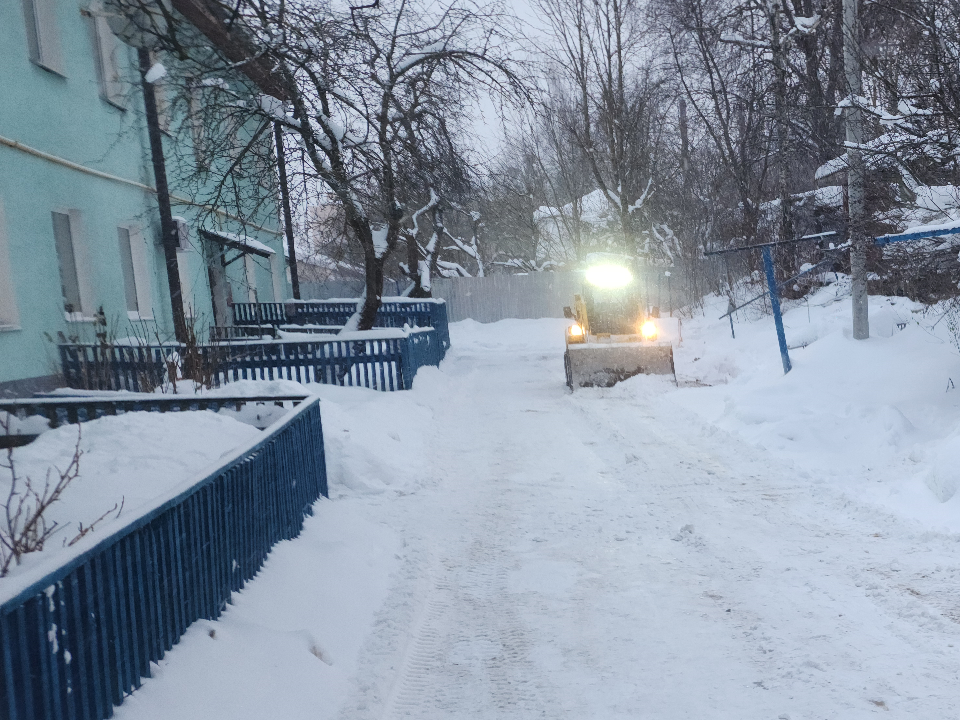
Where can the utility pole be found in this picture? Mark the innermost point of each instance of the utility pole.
(855, 170)
(168, 231)
(287, 215)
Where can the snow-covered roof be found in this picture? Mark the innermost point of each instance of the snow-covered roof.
(887, 150)
(595, 210)
(239, 242)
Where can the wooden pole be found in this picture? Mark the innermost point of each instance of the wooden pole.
(168, 230)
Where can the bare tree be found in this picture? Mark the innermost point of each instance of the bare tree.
(367, 92)
(597, 49)
(26, 526)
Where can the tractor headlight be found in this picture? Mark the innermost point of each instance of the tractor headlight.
(609, 276)
(575, 330)
(649, 330)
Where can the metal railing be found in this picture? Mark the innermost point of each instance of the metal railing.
(389, 363)
(76, 640)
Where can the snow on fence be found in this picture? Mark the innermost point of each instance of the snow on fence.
(387, 360)
(75, 640)
(71, 410)
(393, 313)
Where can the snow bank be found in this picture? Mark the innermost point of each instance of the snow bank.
(127, 461)
(878, 418)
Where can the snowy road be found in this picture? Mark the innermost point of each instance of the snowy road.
(496, 547)
(606, 555)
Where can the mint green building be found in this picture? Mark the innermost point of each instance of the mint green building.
(79, 224)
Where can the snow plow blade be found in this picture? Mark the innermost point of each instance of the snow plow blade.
(604, 365)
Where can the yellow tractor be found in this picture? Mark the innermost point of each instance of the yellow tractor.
(613, 336)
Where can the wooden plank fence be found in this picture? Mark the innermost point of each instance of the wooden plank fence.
(76, 640)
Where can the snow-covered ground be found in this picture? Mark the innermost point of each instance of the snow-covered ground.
(125, 462)
(496, 547)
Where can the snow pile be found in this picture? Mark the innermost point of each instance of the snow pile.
(374, 441)
(127, 461)
(878, 418)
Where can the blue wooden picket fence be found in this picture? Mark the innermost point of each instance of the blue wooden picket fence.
(74, 642)
(395, 314)
(380, 364)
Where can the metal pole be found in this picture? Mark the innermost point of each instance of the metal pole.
(670, 292)
(168, 230)
(855, 171)
(287, 215)
(775, 305)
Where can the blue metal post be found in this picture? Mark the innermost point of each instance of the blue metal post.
(775, 304)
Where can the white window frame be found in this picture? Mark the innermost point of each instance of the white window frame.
(250, 275)
(187, 285)
(183, 233)
(9, 312)
(43, 34)
(276, 273)
(107, 49)
(81, 265)
(139, 255)
(198, 131)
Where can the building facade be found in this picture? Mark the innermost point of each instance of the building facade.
(79, 223)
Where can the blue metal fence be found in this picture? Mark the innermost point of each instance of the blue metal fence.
(77, 640)
(396, 314)
(59, 409)
(380, 364)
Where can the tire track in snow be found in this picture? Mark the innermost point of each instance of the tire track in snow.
(469, 649)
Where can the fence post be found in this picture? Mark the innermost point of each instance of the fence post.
(407, 367)
(775, 305)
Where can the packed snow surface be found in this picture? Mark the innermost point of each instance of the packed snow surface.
(746, 545)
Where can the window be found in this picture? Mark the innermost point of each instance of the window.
(63, 232)
(197, 128)
(276, 272)
(43, 36)
(187, 286)
(107, 56)
(136, 277)
(9, 316)
(129, 277)
(183, 233)
(250, 268)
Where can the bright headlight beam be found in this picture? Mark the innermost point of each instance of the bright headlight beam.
(609, 276)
